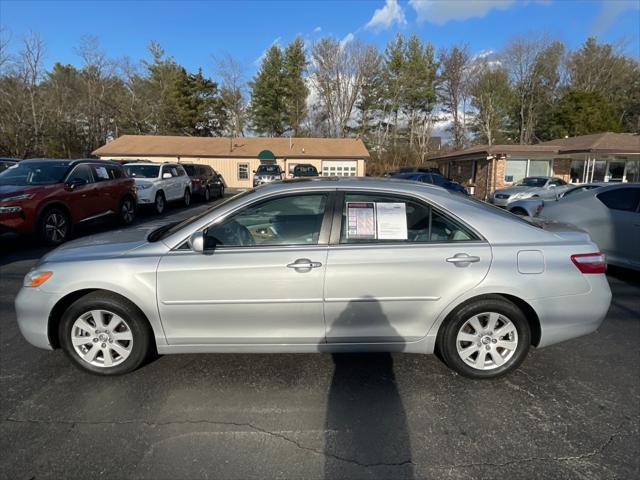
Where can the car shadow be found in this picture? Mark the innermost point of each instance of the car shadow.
(366, 422)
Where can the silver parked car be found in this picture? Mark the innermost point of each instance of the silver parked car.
(321, 265)
(610, 214)
(549, 188)
(532, 206)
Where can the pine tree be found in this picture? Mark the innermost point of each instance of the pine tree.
(296, 91)
(268, 93)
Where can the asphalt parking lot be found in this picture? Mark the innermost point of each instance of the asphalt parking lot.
(571, 411)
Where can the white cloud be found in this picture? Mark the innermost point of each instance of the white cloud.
(443, 11)
(258, 61)
(348, 38)
(385, 17)
(317, 29)
(609, 12)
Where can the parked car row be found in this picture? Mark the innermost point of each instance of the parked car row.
(271, 172)
(50, 197)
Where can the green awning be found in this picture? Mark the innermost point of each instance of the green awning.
(266, 155)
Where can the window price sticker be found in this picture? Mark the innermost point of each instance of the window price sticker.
(361, 220)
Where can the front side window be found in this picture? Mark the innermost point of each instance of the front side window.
(243, 171)
(290, 220)
(370, 218)
(81, 173)
(625, 199)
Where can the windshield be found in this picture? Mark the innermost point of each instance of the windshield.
(168, 230)
(142, 171)
(305, 169)
(533, 182)
(41, 173)
(268, 170)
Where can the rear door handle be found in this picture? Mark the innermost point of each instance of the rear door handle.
(304, 264)
(462, 259)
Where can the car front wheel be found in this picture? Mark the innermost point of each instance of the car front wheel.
(187, 198)
(486, 338)
(207, 194)
(104, 334)
(55, 226)
(159, 203)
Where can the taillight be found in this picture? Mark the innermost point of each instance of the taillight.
(590, 262)
(195, 181)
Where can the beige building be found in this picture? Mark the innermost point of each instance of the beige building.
(236, 158)
(601, 157)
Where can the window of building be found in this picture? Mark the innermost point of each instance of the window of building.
(243, 171)
(516, 170)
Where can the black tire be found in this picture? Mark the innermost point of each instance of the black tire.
(141, 332)
(54, 226)
(221, 192)
(160, 203)
(187, 197)
(519, 211)
(127, 212)
(207, 194)
(447, 338)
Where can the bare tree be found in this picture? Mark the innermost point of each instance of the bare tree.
(338, 73)
(453, 91)
(233, 91)
(31, 66)
(5, 38)
(533, 65)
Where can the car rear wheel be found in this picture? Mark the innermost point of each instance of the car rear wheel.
(55, 226)
(485, 339)
(160, 203)
(187, 197)
(104, 334)
(127, 211)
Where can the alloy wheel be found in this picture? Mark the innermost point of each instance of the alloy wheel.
(128, 211)
(56, 227)
(101, 338)
(487, 341)
(159, 203)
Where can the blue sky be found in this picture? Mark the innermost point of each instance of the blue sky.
(193, 31)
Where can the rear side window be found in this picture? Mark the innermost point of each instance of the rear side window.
(370, 218)
(625, 199)
(107, 172)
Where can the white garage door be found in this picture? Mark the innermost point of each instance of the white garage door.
(339, 168)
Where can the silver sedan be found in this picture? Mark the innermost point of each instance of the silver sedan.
(321, 265)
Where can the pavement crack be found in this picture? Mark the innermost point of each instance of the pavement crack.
(251, 426)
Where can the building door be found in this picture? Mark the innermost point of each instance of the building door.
(343, 168)
(616, 171)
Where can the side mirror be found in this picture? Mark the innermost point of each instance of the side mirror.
(254, 171)
(166, 175)
(196, 242)
(75, 182)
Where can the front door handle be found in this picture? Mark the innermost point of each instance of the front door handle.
(462, 259)
(304, 264)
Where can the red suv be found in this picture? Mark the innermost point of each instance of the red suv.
(48, 197)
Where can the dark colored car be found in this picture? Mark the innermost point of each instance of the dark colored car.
(48, 197)
(304, 170)
(412, 170)
(434, 179)
(6, 163)
(205, 181)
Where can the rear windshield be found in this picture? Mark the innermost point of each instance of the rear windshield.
(190, 169)
(497, 210)
(142, 171)
(40, 173)
(269, 169)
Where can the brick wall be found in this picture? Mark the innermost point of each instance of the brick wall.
(562, 168)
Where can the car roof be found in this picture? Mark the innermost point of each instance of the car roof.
(68, 162)
(409, 174)
(147, 164)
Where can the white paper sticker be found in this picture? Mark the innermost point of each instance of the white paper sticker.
(361, 220)
(102, 173)
(391, 221)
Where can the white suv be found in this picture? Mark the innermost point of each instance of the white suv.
(159, 183)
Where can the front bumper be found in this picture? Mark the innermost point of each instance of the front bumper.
(15, 221)
(33, 307)
(500, 202)
(146, 196)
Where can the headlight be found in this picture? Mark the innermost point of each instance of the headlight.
(24, 196)
(143, 186)
(12, 209)
(522, 195)
(36, 278)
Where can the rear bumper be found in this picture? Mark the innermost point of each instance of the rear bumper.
(563, 318)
